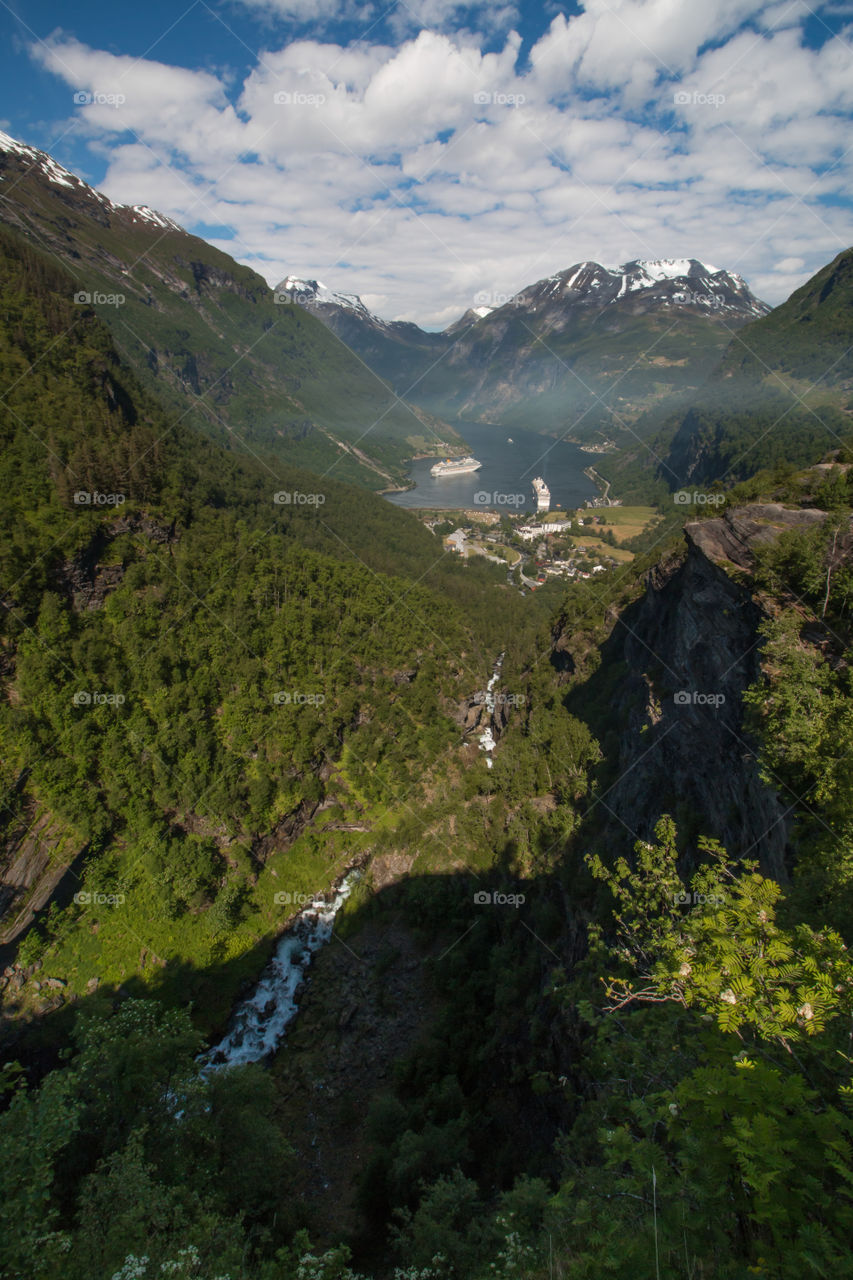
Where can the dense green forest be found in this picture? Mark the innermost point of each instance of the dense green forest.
(531, 1051)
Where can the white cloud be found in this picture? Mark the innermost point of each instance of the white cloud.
(315, 12)
(378, 172)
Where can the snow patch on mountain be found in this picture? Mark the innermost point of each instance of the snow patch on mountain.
(61, 177)
(142, 213)
(316, 291)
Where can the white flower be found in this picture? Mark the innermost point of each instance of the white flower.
(729, 996)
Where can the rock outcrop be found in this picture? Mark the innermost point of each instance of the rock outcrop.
(690, 648)
(733, 537)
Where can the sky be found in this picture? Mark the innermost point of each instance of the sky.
(431, 156)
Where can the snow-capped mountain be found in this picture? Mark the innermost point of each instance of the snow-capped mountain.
(313, 293)
(587, 341)
(667, 283)
(372, 338)
(60, 177)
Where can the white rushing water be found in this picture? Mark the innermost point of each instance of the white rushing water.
(487, 739)
(259, 1022)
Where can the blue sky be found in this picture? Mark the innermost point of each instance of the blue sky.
(426, 153)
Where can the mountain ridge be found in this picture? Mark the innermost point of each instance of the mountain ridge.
(205, 334)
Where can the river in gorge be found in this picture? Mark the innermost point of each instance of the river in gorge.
(258, 1023)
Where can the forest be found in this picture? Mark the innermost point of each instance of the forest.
(643, 1068)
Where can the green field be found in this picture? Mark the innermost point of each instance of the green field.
(625, 522)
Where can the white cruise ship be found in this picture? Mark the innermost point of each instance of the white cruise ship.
(542, 494)
(455, 467)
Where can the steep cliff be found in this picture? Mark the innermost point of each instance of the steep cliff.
(685, 652)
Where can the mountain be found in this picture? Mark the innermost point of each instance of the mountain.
(576, 352)
(145, 563)
(782, 392)
(518, 1052)
(808, 337)
(206, 335)
(397, 351)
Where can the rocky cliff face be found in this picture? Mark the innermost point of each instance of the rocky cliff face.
(733, 537)
(690, 647)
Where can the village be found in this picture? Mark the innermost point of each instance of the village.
(546, 546)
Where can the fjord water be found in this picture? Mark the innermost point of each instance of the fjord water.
(508, 469)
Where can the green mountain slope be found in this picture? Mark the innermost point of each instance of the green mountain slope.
(205, 333)
(783, 392)
(191, 668)
(809, 337)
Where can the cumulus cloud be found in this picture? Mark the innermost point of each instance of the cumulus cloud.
(421, 171)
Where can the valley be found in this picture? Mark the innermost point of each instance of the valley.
(404, 883)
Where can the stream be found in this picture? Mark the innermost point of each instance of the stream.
(487, 738)
(258, 1022)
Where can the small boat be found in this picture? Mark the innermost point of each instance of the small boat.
(510, 440)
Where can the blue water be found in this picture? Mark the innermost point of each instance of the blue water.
(504, 482)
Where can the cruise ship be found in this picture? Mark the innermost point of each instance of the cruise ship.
(542, 494)
(455, 467)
